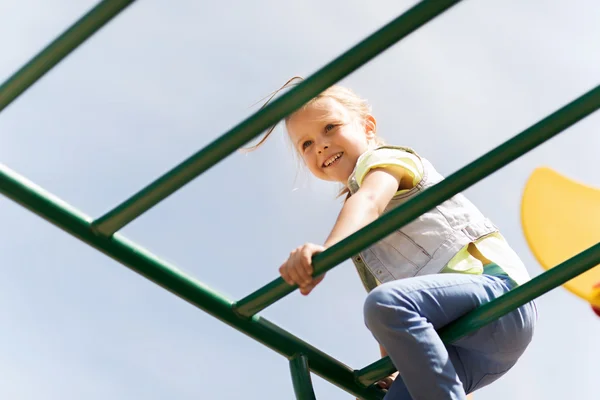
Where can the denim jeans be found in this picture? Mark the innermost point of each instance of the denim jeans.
(403, 316)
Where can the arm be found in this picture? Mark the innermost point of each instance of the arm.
(383, 352)
(365, 206)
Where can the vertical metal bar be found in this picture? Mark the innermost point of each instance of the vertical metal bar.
(455, 183)
(303, 387)
(57, 50)
(495, 309)
(229, 142)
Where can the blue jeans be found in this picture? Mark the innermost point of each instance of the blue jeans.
(404, 315)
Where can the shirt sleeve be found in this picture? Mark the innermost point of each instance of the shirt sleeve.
(389, 158)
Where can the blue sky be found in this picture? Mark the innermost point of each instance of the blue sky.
(163, 80)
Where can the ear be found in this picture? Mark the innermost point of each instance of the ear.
(370, 126)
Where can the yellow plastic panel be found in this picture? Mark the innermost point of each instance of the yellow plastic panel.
(560, 218)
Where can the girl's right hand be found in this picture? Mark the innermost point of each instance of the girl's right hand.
(298, 268)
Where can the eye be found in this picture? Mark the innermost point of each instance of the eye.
(329, 127)
(306, 144)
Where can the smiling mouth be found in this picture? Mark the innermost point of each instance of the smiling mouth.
(332, 160)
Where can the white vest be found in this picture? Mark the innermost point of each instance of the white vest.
(425, 245)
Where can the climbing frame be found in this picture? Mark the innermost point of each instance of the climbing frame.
(102, 233)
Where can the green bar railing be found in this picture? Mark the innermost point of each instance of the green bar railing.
(60, 48)
(428, 199)
(146, 264)
(270, 115)
(170, 278)
(303, 357)
(301, 378)
(495, 309)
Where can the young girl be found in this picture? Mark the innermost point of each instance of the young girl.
(421, 277)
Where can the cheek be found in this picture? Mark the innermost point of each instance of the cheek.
(308, 159)
(351, 141)
(310, 162)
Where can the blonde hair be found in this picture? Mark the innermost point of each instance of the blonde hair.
(345, 96)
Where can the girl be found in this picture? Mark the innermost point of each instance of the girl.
(437, 268)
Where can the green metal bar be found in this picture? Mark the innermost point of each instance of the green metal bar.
(303, 387)
(167, 276)
(270, 115)
(495, 309)
(79, 32)
(428, 199)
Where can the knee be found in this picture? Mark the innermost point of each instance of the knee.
(384, 306)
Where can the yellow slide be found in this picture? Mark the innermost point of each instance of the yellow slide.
(561, 218)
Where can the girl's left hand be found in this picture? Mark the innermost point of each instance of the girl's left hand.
(386, 383)
(297, 270)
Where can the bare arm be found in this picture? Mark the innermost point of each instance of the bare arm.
(362, 208)
(383, 352)
(367, 204)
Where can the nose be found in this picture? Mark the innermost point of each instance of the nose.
(323, 149)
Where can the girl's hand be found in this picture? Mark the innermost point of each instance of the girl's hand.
(297, 270)
(386, 383)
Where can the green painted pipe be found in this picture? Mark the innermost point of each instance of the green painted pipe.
(493, 310)
(60, 48)
(170, 278)
(229, 142)
(301, 381)
(428, 199)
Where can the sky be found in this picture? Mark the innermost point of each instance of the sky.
(161, 81)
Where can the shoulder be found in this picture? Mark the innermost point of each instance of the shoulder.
(389, 157)
(388, 152)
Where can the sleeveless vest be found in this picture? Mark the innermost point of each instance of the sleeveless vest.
(425, 245)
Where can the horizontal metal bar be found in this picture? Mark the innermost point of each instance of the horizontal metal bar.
(167, 276)
(428, 199)
(495, 309)
(60, 48)
(270, 115)
(301, 381)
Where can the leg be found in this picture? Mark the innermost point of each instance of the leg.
(404, 315)
(493, 350)
(399, 391)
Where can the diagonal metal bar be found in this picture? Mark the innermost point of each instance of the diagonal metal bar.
(229, 142)
(61, 47)
(452, 185)
(184, 286)
(495, 309)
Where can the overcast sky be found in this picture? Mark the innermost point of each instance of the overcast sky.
(166, 78)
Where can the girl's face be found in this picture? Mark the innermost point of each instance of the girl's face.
(330, 138)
